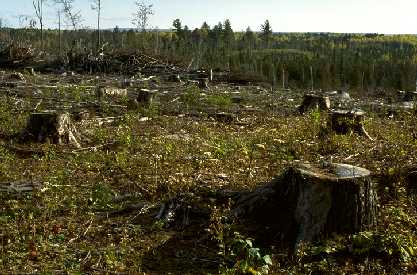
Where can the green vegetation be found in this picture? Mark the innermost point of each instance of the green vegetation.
(79, 220)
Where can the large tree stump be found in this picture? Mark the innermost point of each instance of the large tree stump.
(311, 202)
(348, 122)
(51, 127)
(314, 102)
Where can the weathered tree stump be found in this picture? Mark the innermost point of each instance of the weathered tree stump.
(347, 122)
(410, 96)
(203, 83)
(145, 97)
(314, 102)
(102, 91)
(17, 77)
(54, 127)
(142, 98)
(223, 117)
(311, 202)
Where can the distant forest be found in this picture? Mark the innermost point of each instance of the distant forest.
(327, 61)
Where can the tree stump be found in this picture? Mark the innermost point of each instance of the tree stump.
(314, 102)
(203, 83)
(410, 96)
(311, 202)
(17, 77)
(223, 117)
(145, 97)
(54, 127)
(348, 122)
(142, 98)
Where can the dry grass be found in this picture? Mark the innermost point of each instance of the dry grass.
(60, 228)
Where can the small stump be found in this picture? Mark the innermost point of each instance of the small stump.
(410, 96)
(142, 98)
(17, 77)
(314, 102)
(203, 83)
(223, 117)
(311, 202)
(51, 127)
(145, 97)
(348, 122)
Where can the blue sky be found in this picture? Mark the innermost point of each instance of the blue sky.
(369, 16)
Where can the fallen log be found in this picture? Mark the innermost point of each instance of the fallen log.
(19, 186)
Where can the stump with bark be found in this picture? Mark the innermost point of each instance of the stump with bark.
(314, 102)
(142, 98)
(203, 83)
(309, 202)
(53, 127)
(348, 122)
(410, 96)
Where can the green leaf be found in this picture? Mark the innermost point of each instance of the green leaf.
(267, 260)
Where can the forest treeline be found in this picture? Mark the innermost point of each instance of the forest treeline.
(326, 61)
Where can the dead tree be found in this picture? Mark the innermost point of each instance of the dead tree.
(348, 122)
(314, 102)
(141, 16)
(310, 202)
(53, 127)
(38, 6)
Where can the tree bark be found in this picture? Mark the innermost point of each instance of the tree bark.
(54, 127)
(311, 102)
(311, 202)
(347, 122)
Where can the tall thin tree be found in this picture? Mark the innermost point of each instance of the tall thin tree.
(38, 6)
(97, 7)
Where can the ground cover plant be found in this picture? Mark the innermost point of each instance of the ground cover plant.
(99, 209)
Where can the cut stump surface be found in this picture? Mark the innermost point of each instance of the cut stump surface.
(311, 202)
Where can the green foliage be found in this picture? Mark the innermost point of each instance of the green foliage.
(191, 96)
(219, 100)
(247, 259)
(101, 196)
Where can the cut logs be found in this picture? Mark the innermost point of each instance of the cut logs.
(53, 127)
(348, 122)
(309, 202)
(314, 102)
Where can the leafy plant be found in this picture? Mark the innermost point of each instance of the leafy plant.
(247, 258)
